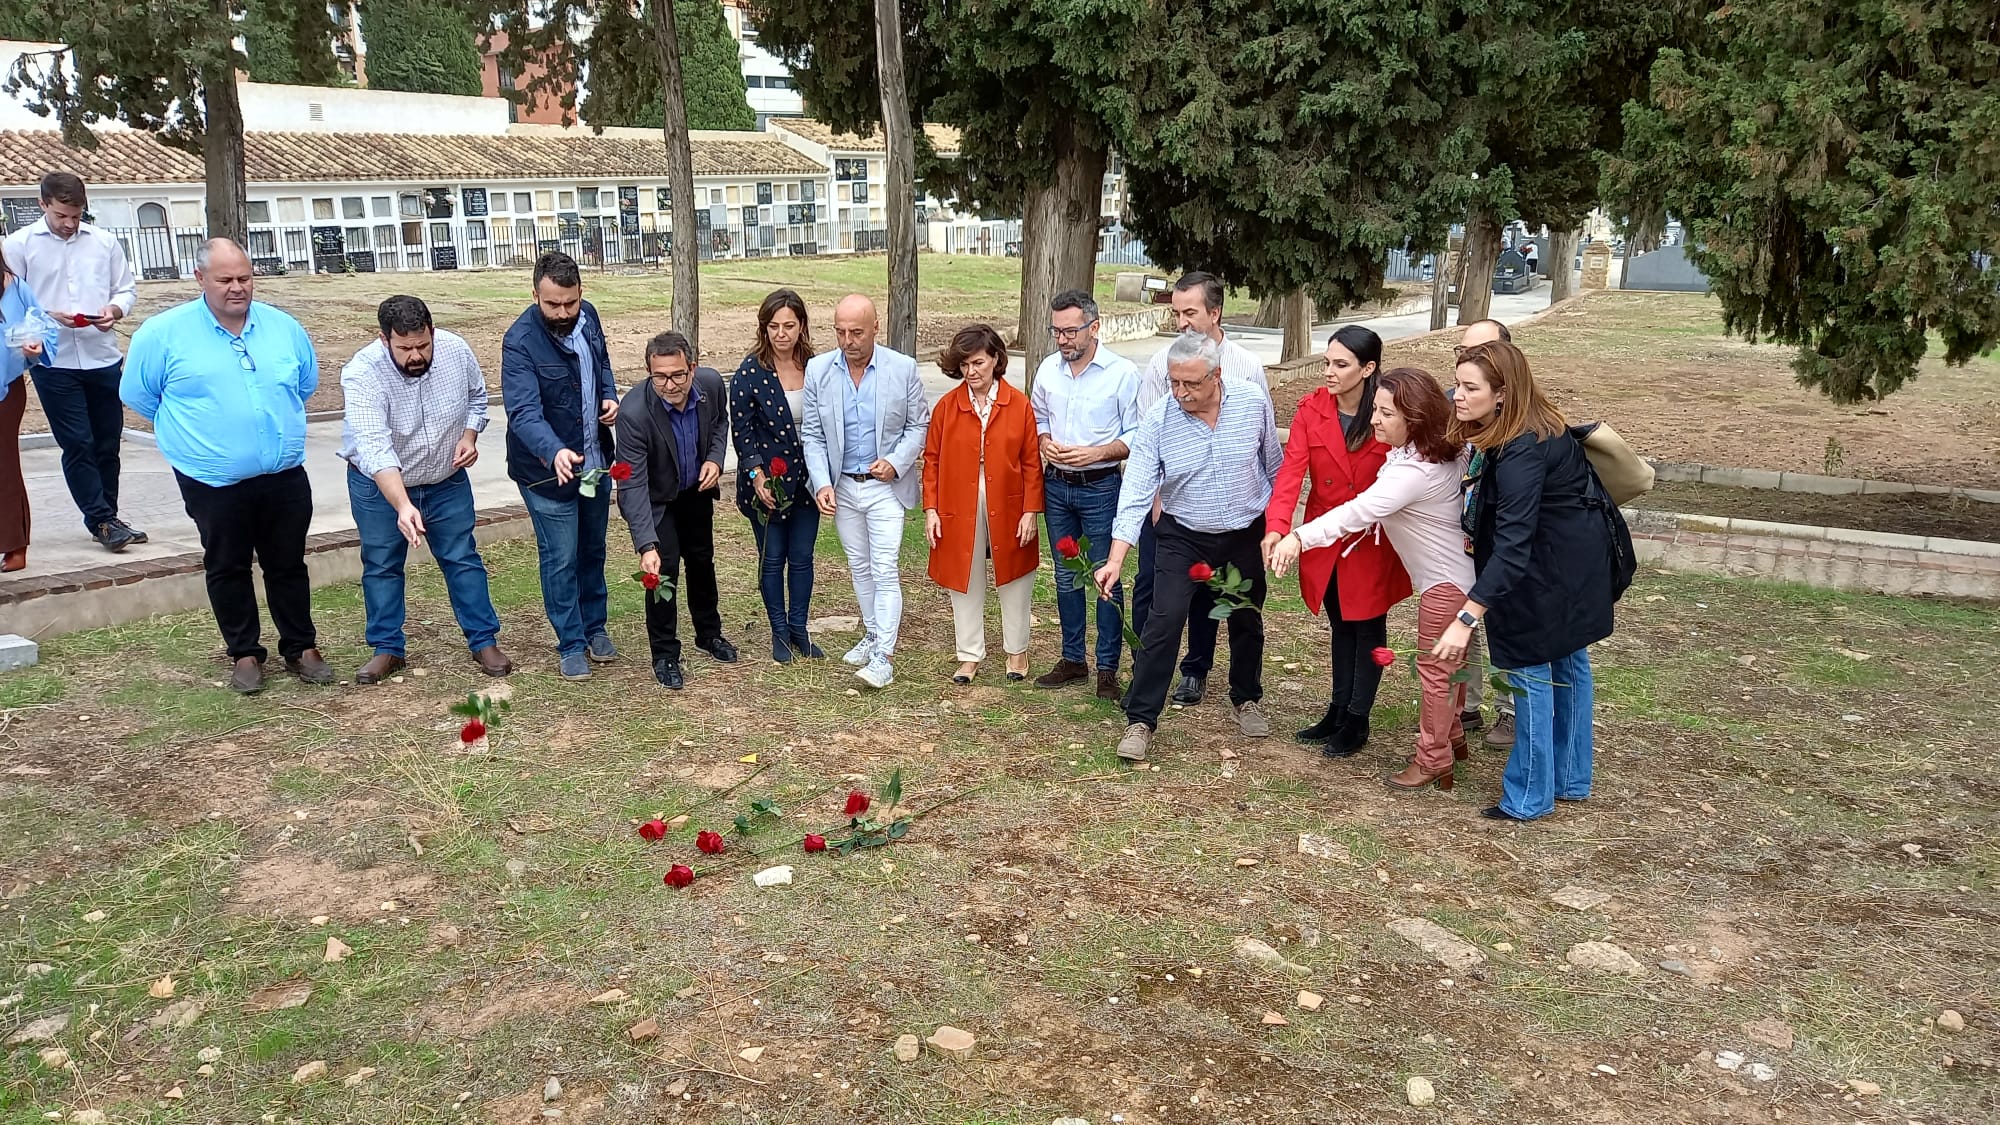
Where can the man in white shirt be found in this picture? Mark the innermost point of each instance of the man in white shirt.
(84, 281)
(1197, 305)
(1086, 401)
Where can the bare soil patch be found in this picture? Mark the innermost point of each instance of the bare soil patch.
(1909, 513)
(299, 886)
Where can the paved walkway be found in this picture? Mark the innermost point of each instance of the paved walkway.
(151, 500)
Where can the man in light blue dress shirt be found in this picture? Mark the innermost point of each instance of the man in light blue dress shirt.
(863, 431)
(224, 379)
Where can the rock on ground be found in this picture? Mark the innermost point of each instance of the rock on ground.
(1579, 898)
(1261, 954)
(1419, 1091)
(1450, 950)
(1604, 957)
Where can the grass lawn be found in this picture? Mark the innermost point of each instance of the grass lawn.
(1794, 811)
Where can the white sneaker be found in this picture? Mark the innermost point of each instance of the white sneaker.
(862, 653)
(877, 673)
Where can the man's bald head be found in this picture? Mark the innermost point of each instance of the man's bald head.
(1485, 332)
(854, 329)
(222, 270)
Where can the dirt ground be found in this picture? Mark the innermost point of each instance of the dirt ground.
(1899, 513)
(1658, 368)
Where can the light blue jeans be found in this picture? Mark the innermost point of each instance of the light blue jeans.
(1552, 742)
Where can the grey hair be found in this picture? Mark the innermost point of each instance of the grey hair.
(202, 255)
(1191, 346)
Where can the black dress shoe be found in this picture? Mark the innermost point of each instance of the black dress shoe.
(112, 536)
(1498, 813)
(1191, 689)
(720, 648)
(137, 535)
(668, 672)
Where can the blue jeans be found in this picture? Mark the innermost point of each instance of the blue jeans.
(1552, 744)
(1076, 511)
(786, 542)
(448, 514)
(87, 421)
(569, 536)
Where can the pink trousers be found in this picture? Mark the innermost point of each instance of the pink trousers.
(1438, 727)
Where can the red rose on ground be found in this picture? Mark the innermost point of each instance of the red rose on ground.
(1066, 547)
(778, 466)
(679, 875)
(1384, 656)
(654, 829)
(472, 731)
(710, 843)
(81, 320)
(1201, 572)
(815, 843)
(621, 471)
(857, 803)
(650, 581)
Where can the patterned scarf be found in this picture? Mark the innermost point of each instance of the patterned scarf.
(1468, 518)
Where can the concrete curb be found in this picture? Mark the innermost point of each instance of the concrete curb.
(1693, 473)
(1836, 558)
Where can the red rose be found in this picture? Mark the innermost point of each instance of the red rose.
(857, 803)
(472, 731)
(679, 875)
(654, 829)
(710, 843)
(815, 843)
(621, 471)
(1066, 547)
(1384, 656)
(778, 466)
(81, 320)
(650, 581)
(1201, 572)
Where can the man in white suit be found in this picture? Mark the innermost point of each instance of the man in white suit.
(863, 430)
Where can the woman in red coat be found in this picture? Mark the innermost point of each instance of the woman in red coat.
(1358, 578)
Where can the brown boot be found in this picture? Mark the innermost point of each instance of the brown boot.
(310, 667)
(1065, 672)
(492, 661)
(247, 678)
(380, 667)
(1107, 686)
(1415, 777)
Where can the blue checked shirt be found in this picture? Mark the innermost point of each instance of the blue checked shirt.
(1210, 480)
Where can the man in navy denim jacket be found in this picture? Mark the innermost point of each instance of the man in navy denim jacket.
(561, 398)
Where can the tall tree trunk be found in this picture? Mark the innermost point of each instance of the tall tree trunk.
(1440, 283)
(1059, 237)
(902, 177)
(1482, 252)
(1562, 264)
(1270, 311)
(1298, 325)
(222, 155)
(680, 175)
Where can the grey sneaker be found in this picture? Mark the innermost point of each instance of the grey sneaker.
(861, 653)
(1138, 739)
(1501, 736)
(601, 649)
(575, 666)
(1252, 721)
(877, 673)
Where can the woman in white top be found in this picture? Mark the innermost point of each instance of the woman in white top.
(1416, 501)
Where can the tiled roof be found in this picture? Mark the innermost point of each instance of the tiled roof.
(944, 138)
(129, 157)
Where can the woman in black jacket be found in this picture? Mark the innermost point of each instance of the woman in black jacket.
(765, 397)
(1540, 542)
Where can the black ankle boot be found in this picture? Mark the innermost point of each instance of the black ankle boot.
(1328, 727)
(1350, 737)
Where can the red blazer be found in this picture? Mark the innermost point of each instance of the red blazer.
(1371, 576)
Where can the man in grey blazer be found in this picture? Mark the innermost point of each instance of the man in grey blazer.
(863, 430)
(673, 429)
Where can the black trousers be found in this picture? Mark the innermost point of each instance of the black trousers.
(266, 518)
(1356, 676)
(88, 422)
(1174, 594)
(1201, 628)
(686, 527)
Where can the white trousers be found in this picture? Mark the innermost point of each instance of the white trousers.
(968, 610)
(869, 519)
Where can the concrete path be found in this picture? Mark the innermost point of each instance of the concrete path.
(151, 500)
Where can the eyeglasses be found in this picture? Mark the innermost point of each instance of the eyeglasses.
(242, 354)
(1070, 333)
(671, 376)
(1180, 386)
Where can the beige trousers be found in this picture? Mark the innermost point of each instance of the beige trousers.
(968, 610)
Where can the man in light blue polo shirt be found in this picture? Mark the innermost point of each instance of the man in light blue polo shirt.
(224, 380)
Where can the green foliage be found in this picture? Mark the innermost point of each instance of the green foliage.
(143, 65)
(21, 20)
(625, 73)
(422, 46)
(1834, 166)
(291, 43)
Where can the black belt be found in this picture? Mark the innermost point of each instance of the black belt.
(858, 476)
(1082, 476)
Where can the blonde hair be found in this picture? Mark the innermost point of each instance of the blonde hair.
(1522, 409)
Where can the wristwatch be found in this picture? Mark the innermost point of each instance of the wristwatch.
(1466, 619)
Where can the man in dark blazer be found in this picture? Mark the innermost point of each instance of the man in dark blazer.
(673, 430)
(555, 377)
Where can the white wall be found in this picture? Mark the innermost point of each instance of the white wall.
(268, 107)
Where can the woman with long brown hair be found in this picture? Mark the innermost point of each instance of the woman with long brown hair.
(1415, 500)
(766, 396)
(24, 347)
(1541, 541)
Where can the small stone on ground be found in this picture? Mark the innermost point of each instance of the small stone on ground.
(1579, 898)
(1450, 950)
(907, 1048)
(1604, 957)
(1419, 1091)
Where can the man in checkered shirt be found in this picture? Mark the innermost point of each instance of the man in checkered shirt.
(416, 403)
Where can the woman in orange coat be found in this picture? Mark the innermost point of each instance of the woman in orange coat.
(982, 492)
(1359, 577)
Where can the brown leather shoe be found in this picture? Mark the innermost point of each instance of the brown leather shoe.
(492, 661)
(309, 666)
(379, 667)
(247, 678)
(1065, 672)
(1107, 686)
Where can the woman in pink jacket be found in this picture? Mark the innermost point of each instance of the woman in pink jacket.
(1415, 501)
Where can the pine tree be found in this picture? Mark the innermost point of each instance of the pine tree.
(290, 43)
(421, 46)
(624, 84)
